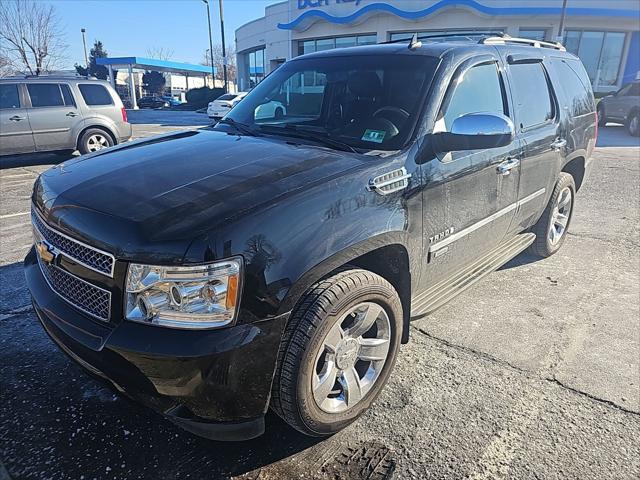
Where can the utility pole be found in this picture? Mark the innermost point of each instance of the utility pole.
(562, 17)
(84, 42)
(213, 68)
(224, 50)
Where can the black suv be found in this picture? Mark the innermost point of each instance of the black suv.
(277, 261)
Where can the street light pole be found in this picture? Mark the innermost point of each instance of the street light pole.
(84, 42)
(562, 17)
(224, 50)
(213, 70)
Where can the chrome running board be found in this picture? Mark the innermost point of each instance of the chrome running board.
(439, 294)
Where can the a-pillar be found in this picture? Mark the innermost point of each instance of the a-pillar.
(132, 89)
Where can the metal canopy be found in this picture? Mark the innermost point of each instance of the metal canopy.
(150, 64)
(154, 64)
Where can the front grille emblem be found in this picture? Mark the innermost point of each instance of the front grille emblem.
(46, 255)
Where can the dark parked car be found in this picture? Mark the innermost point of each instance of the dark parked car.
(622, 107)
(153, 101)
(276, 262)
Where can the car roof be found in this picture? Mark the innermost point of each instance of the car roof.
(436, 49)
(51, 78)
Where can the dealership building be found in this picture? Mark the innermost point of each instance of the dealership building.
(604, 34)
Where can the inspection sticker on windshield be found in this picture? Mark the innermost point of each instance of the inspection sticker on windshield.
(376, 136)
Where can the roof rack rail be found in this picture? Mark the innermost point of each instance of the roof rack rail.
(468, 34)
(504, 39)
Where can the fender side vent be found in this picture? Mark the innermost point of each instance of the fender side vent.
(391, 182)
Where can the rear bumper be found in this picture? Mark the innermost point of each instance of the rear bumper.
(214, 383)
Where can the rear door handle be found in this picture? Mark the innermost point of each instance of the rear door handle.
(72, 114)
(559, 144)
(17, 118)
(509, 164)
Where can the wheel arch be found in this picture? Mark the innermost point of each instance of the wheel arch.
(385, 255)
(576, 168)
(104, 128)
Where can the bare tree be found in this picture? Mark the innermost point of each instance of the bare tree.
(6, 68)
(218, 62)
(32, 34)
(160, 53)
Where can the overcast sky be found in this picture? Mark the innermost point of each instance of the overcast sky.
(130, 27)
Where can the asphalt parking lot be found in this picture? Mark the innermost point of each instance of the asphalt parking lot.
(532, 373)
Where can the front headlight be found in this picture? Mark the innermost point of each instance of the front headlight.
(195, 297)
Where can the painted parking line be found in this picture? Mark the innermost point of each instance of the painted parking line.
(11, 215)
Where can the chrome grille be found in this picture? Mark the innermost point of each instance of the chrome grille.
(87, 297)
(86, 255)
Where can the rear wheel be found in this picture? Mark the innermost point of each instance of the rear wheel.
(551, 228)
(602, 117)
(93, 140)
(633, 124)
(338, 351)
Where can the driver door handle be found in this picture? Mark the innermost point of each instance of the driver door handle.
(505, 167)
(72, 114)
(17, 118)
(559, 144)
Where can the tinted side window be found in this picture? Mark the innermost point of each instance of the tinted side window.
(577, 96)
(9, 97)
(45, 95)
(532, 95)
(634, 91)
(95, 94)
(479, 90)
(67, 95)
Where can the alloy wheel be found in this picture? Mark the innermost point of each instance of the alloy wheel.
(97, 142)
(560, 216)
(351, 357)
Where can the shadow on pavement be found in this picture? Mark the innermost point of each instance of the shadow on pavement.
(616, 136)
(57, 420)
(32, 159)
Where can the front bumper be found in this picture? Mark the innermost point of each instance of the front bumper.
(215, 383)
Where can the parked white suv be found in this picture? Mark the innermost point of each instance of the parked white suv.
(49, 113)
(223, 104)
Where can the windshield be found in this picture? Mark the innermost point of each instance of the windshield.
(365, 102)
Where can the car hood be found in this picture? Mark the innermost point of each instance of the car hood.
(167, 190)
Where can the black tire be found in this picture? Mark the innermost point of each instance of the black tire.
(543, 245)
(602, 116)
(85, 142)
(633, 123)
(278, 114)
(320, 309)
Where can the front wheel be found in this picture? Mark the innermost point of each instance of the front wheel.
(633, 124)
(338, 351)
(551, 228)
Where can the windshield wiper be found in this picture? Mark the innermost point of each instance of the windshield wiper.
(311, 133)
(240, 127)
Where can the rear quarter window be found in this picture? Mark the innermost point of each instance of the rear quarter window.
(575, 86)
(95, 94)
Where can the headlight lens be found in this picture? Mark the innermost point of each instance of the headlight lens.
(195, 297)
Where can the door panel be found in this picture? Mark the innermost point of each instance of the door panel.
(468, 205)
(52, 120)
(537, 119)
(15, 131)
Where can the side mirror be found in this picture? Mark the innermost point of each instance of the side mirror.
(476, 131)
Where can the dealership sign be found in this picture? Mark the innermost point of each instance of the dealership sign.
(302, 4)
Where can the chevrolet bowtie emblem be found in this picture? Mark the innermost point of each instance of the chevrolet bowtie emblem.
(43, 252)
